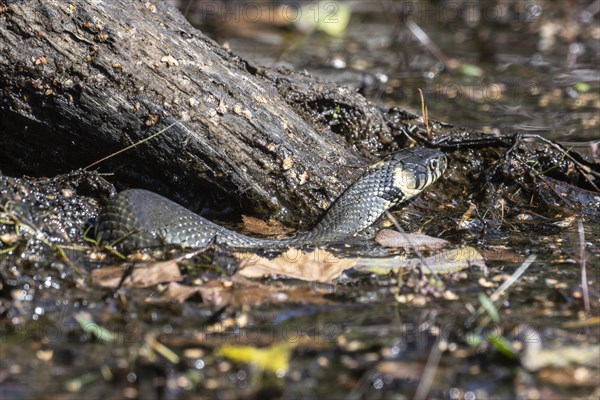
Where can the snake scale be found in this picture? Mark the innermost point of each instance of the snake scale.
(139, 218)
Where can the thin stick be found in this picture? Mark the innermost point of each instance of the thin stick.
(582, 259)
(429, 372)
(502, 289)
(563, 150)
(428, 43)
(414, 247)
(129, 147)
(513, 278)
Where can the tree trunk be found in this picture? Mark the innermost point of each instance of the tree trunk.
(86, 78)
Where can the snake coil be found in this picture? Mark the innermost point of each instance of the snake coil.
(138, 218)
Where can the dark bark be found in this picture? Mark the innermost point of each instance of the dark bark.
(83, 79)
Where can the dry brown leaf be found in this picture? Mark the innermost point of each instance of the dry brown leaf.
(143, 275)
(502, 253)
(215, 293)
(175, 292)
(257, 225)
(391, 238)
(464, 221)
(318, 265)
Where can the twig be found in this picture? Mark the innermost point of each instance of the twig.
(129, 147)
(582, 260)
(432, 47)
(504, 287)
(515, 139)
(562, 149)
(414, 248)
(513, 278)
(429, 372)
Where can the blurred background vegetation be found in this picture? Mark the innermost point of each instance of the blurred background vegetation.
(493, 65)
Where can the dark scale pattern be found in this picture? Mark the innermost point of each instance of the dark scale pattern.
(139, 218)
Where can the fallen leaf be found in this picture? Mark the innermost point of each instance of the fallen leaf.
(561, 357)
(257, 225)
(143, 275)
(466, 217)
(275, 358)
(215, 293)
(9, 238)
(319, 16)
(175, 292)
(391, 238)
(502, 253)
(318, 265)
(567, 222)
(88, 325)
(444, 262)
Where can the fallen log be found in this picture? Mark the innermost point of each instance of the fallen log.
(83, 79)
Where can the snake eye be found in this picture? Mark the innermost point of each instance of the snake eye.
(433, 164)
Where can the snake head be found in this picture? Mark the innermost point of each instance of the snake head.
(414, 170)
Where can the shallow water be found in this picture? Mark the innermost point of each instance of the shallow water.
(367, 335)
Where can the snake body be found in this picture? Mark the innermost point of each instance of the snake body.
(139, 218)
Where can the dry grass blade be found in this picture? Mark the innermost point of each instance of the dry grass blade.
(502, 289)
(129, 147)
(428, 373)
(425, 114)
(428, 43)
(513, 278)
(414, 248)
(582, 262)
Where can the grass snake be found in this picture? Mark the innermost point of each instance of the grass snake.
(139, 218)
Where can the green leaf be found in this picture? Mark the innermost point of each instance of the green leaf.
(504, 346)
(88, 325)
(581, 87)
(470, 70)
(489, 307)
